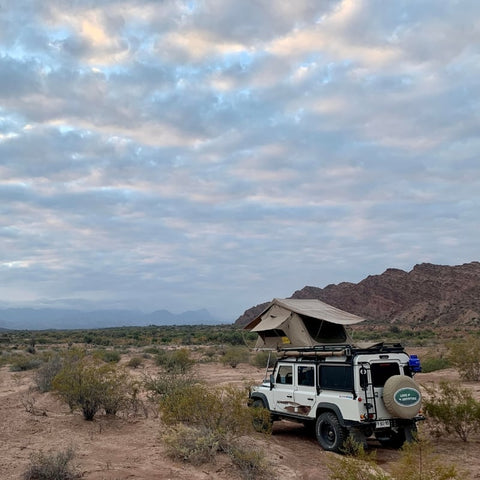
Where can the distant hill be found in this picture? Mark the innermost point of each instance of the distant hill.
(428, 295)
(52, 318)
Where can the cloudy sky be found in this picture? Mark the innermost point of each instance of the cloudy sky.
(219, 153)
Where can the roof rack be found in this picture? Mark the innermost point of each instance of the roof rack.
(317, 351)
(348, 350)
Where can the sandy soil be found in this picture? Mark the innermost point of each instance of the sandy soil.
(129, 448)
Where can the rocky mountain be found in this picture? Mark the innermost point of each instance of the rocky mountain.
(428, 295)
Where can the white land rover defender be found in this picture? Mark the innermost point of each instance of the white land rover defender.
(344, 390)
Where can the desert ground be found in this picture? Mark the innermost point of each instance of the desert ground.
(129, 447)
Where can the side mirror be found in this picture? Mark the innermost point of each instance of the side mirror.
(272, 380)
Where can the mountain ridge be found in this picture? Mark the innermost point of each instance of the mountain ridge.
(427, 295)
(21, 318)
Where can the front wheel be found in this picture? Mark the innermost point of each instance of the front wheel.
(261, 418)
(330, 434)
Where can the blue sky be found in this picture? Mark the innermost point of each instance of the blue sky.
(217, 154)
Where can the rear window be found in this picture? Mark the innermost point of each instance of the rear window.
(336, 377)
(381, 372)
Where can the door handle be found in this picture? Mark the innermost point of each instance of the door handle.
(289, 396)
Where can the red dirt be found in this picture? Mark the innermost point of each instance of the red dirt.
(123, 448)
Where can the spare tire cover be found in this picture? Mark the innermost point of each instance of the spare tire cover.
(402, 396)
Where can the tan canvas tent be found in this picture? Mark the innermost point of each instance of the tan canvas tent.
(301, 323)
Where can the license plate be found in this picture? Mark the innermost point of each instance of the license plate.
(382, 423)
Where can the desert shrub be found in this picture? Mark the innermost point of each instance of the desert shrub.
(432, 363)
(135, 362)
(53, 466)
(151, 350)
(219, 409)
(120, 391)
(264, 359)
(356, 464)
(210, 354)
(22, 363)
(205, 420)
(250, 461)
(46, 373)
(190, 444)
(176, 361)
(418, 462)
(88, 385)
(235, 355)
(465, 358)
(453, 409)
(108, 356)
(157, 387)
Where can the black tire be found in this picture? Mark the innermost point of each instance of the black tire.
(330, 434)
(397, 438)
(261, 422)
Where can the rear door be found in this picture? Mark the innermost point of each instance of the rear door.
(380, 372)
(305, 390)
(337, 388)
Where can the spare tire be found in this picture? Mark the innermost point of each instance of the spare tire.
(402, 397)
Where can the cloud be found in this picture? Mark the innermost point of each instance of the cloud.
(217, 154)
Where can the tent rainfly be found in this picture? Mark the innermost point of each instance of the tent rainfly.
(301, 323)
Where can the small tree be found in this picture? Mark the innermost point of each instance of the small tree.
(465, 358)
(178, 361)
(235, 355)
(90, 385)
(453, 409)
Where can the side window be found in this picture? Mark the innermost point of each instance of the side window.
(336, 377)
(285, 375)
(306, 376)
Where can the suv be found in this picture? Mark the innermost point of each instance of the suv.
(344, 390)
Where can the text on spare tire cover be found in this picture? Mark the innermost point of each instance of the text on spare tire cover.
(406, 397)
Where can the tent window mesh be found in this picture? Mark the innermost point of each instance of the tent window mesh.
(324, 332)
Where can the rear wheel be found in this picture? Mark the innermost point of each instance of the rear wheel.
(330, 434)
(397, 438)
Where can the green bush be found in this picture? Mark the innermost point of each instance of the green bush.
(417, 462)
(356, 464)
(465, 358)
(250, 461)
(54, 466)
(135, 362)
(108, 356)
(220, 409)
(166, 384)
(22, 363)
(434, 363)
(235, 355)
(44, 376)
(88, 385)
(190, 444)
(206, 419)
(453, 409)
(264, 359)
(176, 361)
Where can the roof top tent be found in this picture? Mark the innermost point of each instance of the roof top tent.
(301, 323)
